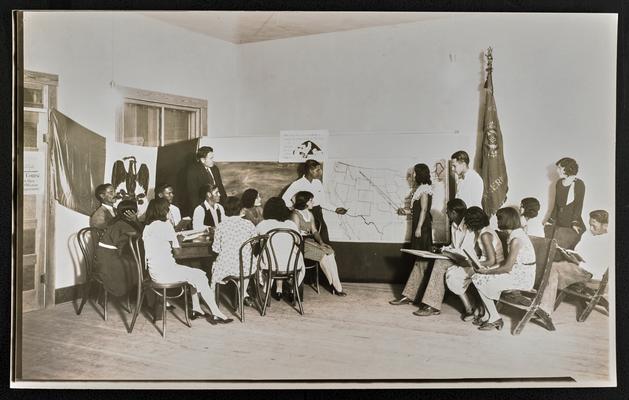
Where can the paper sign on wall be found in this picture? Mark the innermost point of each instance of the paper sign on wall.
(299, 146)
(33, 172)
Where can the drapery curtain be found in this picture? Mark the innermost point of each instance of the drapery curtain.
(78, 163)
(173, 161)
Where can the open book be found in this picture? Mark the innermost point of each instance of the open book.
(459, 257)
(569, 255)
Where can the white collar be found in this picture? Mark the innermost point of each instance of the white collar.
(208, 206)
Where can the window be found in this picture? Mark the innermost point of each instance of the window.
(156, 119)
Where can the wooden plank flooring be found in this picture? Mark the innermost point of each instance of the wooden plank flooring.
(357, 337)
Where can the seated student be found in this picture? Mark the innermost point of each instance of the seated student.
(106, 212)
(209, 213)
(229, 236)
(166, 191)
(531, 222)
(516, 272)
(459, 278)
(315, 249)
(276, 215)
(115, 265)
(251, 203)
(435, 291)
(160, 241)
(596, 249)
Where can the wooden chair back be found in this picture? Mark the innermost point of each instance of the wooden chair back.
(88, 242)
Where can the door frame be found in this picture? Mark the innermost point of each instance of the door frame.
(46, 293)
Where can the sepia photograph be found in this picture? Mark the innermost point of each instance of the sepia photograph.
(314, 199)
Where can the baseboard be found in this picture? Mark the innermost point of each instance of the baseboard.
(66, 294)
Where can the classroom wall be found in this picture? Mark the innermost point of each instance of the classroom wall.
(554, 78)
(89, 50)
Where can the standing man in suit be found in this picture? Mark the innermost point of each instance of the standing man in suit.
(201, 173)
(311, 182)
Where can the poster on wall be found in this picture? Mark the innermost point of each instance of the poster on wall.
(299, 146)
(33, 172)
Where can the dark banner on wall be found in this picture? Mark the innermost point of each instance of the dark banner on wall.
(78, 163)
(172, 162)
(493, 167)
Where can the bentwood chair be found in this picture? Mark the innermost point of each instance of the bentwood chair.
(591, 293)
(145, 284)
(311, 264)
(529, 300)
(88, 242)
(288, 270)
(249, 266)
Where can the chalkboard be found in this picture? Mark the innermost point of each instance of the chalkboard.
(267, 177)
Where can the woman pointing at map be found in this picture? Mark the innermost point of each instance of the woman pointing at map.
(311, 182)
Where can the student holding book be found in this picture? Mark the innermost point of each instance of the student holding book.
(516, 272)
(435, 291)
(590, 261)
(458, 278)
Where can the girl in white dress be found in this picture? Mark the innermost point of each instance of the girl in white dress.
(160, 240)
(516, 272)
(315, 249)
(491, 255)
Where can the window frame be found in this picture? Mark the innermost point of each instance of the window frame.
(162, 101)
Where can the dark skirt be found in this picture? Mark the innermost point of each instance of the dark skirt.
(118, 272)
(425, 241)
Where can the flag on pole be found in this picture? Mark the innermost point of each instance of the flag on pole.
(493, 168)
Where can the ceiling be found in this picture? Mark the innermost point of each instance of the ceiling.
(256, 26)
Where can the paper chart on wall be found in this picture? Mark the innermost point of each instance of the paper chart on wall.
(372, 191)
(301, 145)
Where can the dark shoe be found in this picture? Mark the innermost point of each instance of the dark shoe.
(248, 301)
(427, 312)
(212, 319)
(170, 307)
(276, 295)
(290, 298)
(478, 321)
(340, 294)
(195, 314)
(490, 326)
(403, 300)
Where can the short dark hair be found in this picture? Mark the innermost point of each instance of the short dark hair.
(232, 206)
(531, 207)
(100, 190)
(476, 219)
(508, 218)
(204, 151)
(422, 174)
(205, 189)
(569, 165)
(301, 198)
(461, 156)
(248, 198)
(275, 208)
(600, 216)
(310, 164)
(160, 189)
(458, 207)
(157, 210)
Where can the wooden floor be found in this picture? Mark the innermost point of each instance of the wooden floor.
(357, 337)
